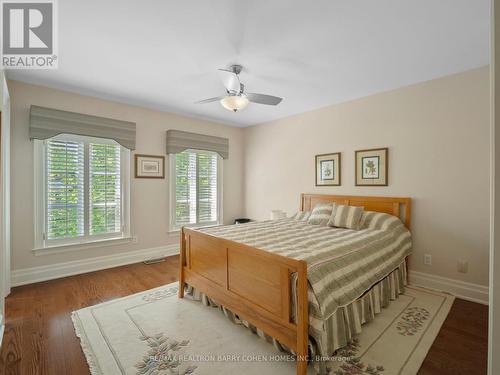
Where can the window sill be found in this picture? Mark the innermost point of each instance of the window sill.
(81, 246)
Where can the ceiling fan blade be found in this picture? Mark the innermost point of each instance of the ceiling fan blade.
(210, 100)
(263, 99)
(230, 80)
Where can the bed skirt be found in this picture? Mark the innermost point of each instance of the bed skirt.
(327, 336)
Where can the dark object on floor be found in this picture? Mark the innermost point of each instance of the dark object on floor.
(241, 221)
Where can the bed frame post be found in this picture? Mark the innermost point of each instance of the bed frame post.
(302, 320)
(182, 248)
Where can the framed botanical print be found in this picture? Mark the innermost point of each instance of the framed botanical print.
(149, 166)
(328, 169)
(372, 167)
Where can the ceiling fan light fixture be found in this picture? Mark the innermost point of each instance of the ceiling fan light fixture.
(234, 103)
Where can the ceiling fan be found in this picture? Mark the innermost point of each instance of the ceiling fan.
(237, 98)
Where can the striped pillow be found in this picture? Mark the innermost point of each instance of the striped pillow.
(301, 216)
(379, 221)
(346, 216)
(321, 214)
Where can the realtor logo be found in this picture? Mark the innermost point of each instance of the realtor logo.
(29, 35)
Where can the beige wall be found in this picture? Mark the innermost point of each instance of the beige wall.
(149, 198)
(438, 138)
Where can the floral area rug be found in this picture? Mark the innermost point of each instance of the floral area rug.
(156, 333)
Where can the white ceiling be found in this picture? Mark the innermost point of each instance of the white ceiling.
(164, 54)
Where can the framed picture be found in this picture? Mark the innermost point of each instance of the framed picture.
(372, 167)
(328, 169)
(149, 166)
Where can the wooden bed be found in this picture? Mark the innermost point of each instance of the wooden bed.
(255, 284)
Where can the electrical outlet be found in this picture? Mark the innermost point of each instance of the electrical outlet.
(462, 266)
(135, 239)
(428, 259)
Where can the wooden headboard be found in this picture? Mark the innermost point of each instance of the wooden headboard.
(400, 207)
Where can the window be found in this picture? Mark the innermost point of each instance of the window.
(82, 190)
(196, 189)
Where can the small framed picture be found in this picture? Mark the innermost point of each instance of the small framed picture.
(149, 166)
(372, 167)
(328, 169)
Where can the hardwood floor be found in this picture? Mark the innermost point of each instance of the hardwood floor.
(461, 347)
(40, 339)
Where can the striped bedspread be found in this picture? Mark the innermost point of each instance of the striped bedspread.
(342, 263)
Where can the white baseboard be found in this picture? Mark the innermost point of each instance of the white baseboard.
(54, 271)
(461, 289)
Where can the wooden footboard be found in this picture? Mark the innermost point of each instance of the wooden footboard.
(252, 283)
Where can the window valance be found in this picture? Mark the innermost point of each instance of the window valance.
(47, 123)
(178, 141)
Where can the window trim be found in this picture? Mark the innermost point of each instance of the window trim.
(40, 206)
(82, 246)
(171, 220)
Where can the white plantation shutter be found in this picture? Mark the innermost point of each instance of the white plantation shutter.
(105, 189)
(64, 189)
(84, 193)
(207, 187)
(185, 192)
(196, 188)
